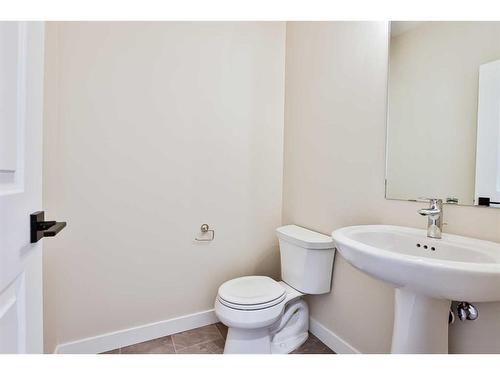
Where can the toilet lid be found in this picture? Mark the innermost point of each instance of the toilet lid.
(251, 290)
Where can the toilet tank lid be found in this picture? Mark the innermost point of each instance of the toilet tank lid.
(304, 237)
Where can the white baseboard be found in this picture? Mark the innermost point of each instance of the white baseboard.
(330, 339)
(134, 335)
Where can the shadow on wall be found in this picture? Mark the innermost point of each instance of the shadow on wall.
(269, 264)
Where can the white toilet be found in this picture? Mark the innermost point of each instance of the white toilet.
(267, 316)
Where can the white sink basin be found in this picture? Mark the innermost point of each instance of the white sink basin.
(427, 273)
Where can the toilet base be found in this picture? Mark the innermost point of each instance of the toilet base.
(248, 341)
(252, 341)
(282, 337)
(288, 346)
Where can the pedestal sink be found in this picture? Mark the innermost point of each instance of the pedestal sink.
(427, 273)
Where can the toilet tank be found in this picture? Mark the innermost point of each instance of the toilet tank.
(306, 259)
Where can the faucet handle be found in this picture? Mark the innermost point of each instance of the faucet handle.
(435, 216)
(432, 201)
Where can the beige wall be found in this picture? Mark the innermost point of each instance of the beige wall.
(152, 129)
(162, 127)
(336, 79)
(433, 92)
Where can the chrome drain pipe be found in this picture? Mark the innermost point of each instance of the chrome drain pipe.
(467, 311)
(451, 317)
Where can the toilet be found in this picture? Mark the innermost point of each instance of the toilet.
(268, 316)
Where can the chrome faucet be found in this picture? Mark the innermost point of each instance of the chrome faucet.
(434, 217)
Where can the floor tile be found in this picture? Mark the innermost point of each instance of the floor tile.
(206, 340)
(196, 336)
(163, 345)
(211, 347)
(222, 329)
(313, 346)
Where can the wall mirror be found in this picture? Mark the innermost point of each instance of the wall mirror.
(443, 115)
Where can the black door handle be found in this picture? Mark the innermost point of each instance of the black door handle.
(40, 228)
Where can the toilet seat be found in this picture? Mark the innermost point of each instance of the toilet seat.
(251, 293)
(260, 306)
(248, 319)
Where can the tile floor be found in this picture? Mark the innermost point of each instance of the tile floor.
(205, 340)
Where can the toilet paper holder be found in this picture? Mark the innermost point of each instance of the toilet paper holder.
(206, 229)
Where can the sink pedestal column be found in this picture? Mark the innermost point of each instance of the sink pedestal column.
(420, 323)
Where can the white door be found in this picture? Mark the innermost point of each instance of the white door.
(488, 133)
(21, 90)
